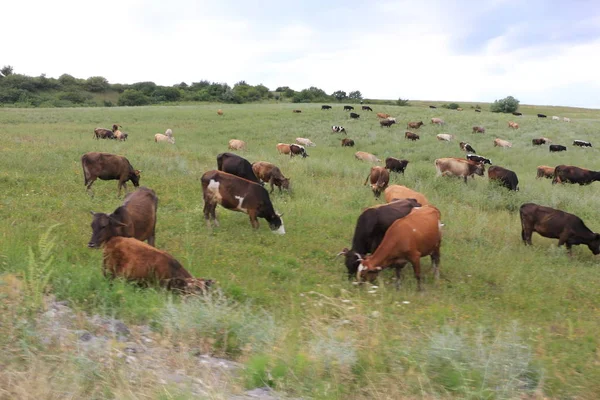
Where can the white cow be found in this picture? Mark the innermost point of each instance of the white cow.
(555, 118)
(159, 137)
(567, 119)
(445, 136)
(305, 142)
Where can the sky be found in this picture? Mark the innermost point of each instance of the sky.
(544, 52)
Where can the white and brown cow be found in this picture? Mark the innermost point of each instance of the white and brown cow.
(380, 178)
(458, 167)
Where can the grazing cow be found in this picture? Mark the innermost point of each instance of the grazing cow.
(464, 146)
(220, 112)
(236, 165)
(458, 167)
(366, 108)
(557, 147)
(283, 148)
(571, 174)
(135, 218)
(348, 108)
(478, 129)
(459, 109)
(235, 144)
(540, 141)
(383, 115)
(380, 178)
(417, 235)
(432, 107)
(479, 159)
(396, 165)
(169, 132)
(518, 114)
(136, 261)
(502, 143)
(566, 119)
(108, 166)
(270, 173)
(445, 137)
(437, 121)
(159, 137)
(513, 125)
(347, 142)
(354, 115)
(477, 110)
(555, 118)
(305, 142)
(296, 111)
(370, 230)
(325, 107)
(387, 122)
(411, 136)
(544, 171)
(337, 128)
(414, 125)
(238, 194)
(396, 192)
(103, 133)
(506, 177)
(542, 116)
(581, 143)
(364, 156)
(296, 149)
(121, 136)
(569, 229)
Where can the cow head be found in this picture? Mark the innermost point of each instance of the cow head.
(105, 227)
(594, 245)
(276, 224)
(196, 286)
(480, 169)
(285, 183)
(366, 272)
(134, 176)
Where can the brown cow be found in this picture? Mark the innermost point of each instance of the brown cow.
(219, 112)
(383, 115)
(283, 148)
(478, 129)
(411, 136)
(502, 143)
(103, 133)
(108, 166)
(364, 156)
(544, 171)
(513, 125)
(347, 142)
(414, 125)
(235, 144)
(458, 167)
(396, 192)
(571, 174)
(296, 111)
(136, 261)
(505, 177)
(135, 218)
(387, 122)
(380, 178)
(417, 235)
(270, 173)
(437, 121)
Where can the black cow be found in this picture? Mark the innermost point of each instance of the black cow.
(348, 108)
(325, 107)
(347, 142)
(581, 143)
(354, 115)
(542, 116)
(366, 108)
(395, 165)
(571, 174)
(480, 159)
(518, 114)
(236, 165)
(505, 176)
(477, 110)
(432, 107)
(557, 147)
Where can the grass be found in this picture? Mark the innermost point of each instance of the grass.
(333, 340)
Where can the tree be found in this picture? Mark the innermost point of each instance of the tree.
(402, 102)
(451, 106)
(6, 70)
(339, 95)
(355, 95)
(507, 105)
(97, 84)
(132, 97)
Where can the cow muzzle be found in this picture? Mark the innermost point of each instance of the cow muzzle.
(91, 245)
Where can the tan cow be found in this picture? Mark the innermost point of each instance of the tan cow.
(305, 142)
(235, 144)
(383, 115)
(502, 143)
(364, 156)
(159, 137)
(444, 136)
(478, 129)
(459, 109)
(544, 171)
(380, 178)
(437, 121)
(513, 125)
(458, 167)
(220, 112)
(396, 192)
(283, 148)
(414, 125)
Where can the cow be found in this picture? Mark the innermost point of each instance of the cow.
(414, 125)
(235, 144)
(544, 171)
(108, 166)
(569, 229)
(236, 165)
(136, 261)
(283, 148)
(370, 230)
(297, 111)
(513, 125)
(437, 121)
(305, 142)
(445, 137)
(296, 149)
(478, 129)
(396, 192)
(555, 118)
(379, 178)
(396, 165)
(542, 116)
(354, 115)
(538, 142)
(479, 159)
(238, 194)
(364, 156)
(325, 107)
(270, 173)
(387, 122)
(348, 108)
(581, 143)
(159, 137)
(121, 136)
(565, 119)
(557, 147)
(506, 177)
(518, 114)
(410, 135)
(464, 146)
(458, 167)
(571, 174)
(432, 107)
(366, 108)
(220, 112)
(502, 143)
(103, 133)
(417, 235)
(459, 109)
(383, 115)
(135, 218)
(337, 128)
(347, 142)
(477, 110)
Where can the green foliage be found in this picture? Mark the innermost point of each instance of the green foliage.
(97, 84)
(74, 96)
(451, 106)
(164, 94)
(355, 95)
(6, 71)
(132, 97)
(339, 95)
(402, 102)
(39, 271)
(506, 105)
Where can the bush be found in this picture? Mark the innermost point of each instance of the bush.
(132, 97)
(506, 105)
(97, 84)
(402, 102)
(74, 96)
(451, 106)
(163, 94)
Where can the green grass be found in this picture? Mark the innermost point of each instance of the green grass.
(489, 279)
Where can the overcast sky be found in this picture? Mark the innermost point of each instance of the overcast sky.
(543, 52)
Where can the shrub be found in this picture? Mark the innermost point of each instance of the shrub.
(402, 102)
(451, 106)
(74, 96)
(96, 84)
(507, 105)
(132, 97)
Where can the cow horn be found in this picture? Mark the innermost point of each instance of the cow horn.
(358, 256)
(343, 252)
(278, 214)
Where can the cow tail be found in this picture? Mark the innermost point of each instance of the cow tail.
(85, 175)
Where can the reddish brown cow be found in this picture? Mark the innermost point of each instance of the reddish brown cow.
(380, 178)
(283, 148)
(270, 173)
(396, 192)
(414, 125)
(571, 174)
(383, 115)
(411, 136)
(478, 129)
(108, 166)
(458, 167)
(544, 171)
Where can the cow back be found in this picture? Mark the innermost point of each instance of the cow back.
(236, 165)
(141, 206)
(402, 192)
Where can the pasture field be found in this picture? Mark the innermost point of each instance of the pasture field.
(504, 320)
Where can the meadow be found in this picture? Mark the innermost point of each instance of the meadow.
(504, 320)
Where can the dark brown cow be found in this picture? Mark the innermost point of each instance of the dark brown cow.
(411, 136)
(366, 108)
(478, 129)
(387, 122)
(135, 218)
(103, 133)
(506, 177)
(538, 142)
(136, 261)
(571, 174)
(296, 149)
(236, 165)
(569, 229)
(296, 111)
(395, 165)
(270, 173)
(238, 194)
(458, 167)
(414, 125)
(380, 178)
(108, 166)
(557, 147)
(347, 142)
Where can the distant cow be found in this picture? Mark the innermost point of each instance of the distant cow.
(379, 178)
(220, 112)
(432, 107)
(159, 137)
(542, 116)
(466, 147)
(540, 141)
(478, 129)
(444, 137)
(366, 108)
(502, 143)
(458, 167)
(571, 174)
(414, 125)
(383, 115)
(103, 133)
(477, 110)
(557, 147)
(387, 122)
(337, 128)
(235, 144)
(236, 165)
(347, 142)
(325, 107)
(354, 115)
(364, 156)
(121, 136)
(479, 159)
(267, 172)
(296, 111)
(569, 229)
(459, 109)
(305, 142)
(513, 125)
(410, 135)
(396, 192)
(283, 148)
(567, 119)
(238, 194)
(395, 165)
(506, 177)
(437, 121)
(544, 171)
(518, 114)
(581, 143)
(555, 118)
(108, 166)
(348, 108)
(296, 149)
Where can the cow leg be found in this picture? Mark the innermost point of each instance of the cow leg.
(398, 268)
(415, 260)
(435, 262)
(271, 183)
(89, 185)
(207, 212)
(253, 219)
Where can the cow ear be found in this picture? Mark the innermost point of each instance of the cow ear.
(118, 216)
(138, 172)
(93, 213)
